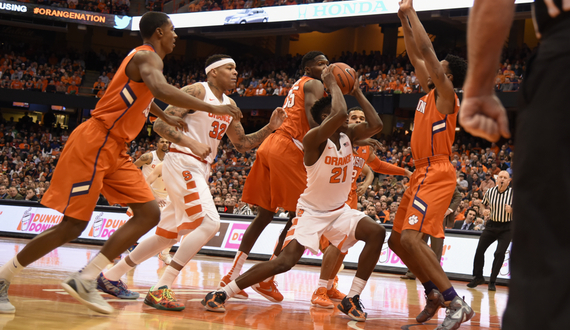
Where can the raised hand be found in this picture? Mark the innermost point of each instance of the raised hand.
(328, 77)
(375, 144)
(356, 88)
(484, 116)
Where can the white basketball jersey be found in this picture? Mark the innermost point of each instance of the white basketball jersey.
(330, 178)
(158, 185)
(205, 127)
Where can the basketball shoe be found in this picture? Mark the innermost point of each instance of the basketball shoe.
(268, 290)
(5, 306)
(320, 299)
(334, 294)
(163, 299)
(353, 308)
(434, 300)
(86, 293)
(214, 301)
(225, 281)
(115, 288)
(457, 312)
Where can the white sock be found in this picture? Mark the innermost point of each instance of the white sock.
(330, 284)
(117, 271)
(10, 269)
(231, 289)
(322, 284)
(239, 260)
(150, 247)
(167, 278)
(94, 267)
(357, 287)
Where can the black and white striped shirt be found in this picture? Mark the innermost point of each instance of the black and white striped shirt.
(497, 201)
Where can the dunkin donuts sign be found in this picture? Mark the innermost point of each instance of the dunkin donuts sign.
(103, 227)
(36, 221)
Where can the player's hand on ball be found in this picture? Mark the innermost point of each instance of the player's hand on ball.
(277, 118)
(328, 77)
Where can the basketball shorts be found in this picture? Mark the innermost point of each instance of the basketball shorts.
(337, 226)
(352, 199)
(424, 203)
(278, 176)
(94, 162)
(185, 178)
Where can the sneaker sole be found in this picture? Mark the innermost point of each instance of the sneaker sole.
(359, 319)
(8, 311)
(162, 308)
(89, 304)
(216, 310)
(134, 297)
(331, 306)
(241, 297)
(270, 298)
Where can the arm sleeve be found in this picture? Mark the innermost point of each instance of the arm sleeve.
(379, 166)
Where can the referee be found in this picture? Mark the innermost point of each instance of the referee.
(497, 228)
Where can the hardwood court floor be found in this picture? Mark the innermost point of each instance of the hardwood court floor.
(391, 303)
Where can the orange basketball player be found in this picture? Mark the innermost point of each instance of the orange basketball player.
(322, 209)
(95, 161)
(364, 156)
(278, 176)
(432, 185)
(186, 167)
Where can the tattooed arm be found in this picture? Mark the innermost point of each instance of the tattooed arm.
(244, 142)
(175, 136)
(144, 160)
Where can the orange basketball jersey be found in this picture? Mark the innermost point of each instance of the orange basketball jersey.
(296, 124)
(126, 103)
(434, 132)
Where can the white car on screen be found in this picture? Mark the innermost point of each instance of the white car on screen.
(252, 15)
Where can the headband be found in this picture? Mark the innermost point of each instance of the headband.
(219, 63)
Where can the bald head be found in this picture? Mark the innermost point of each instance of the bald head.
(503, 180)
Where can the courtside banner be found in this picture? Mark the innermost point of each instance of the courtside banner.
(322, 10)
(457, 257)
(65, 15)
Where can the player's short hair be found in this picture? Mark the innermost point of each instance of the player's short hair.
(458, 68)
(151, 21)
(354, 109)
(215, 58)
(321, 105)
(309, 57)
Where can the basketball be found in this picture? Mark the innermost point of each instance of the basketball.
(345, 76)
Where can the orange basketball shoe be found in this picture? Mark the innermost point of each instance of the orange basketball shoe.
(225, 281)
(320, 299)
(268, 290)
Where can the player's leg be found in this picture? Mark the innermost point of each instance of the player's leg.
(160, 295)
(503, 241)
(293, 251)
(331, 255)
(488, 236)
(110, 281)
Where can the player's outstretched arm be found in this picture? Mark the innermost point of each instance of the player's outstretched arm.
(145, 159)
(176, 122)
(373, 124)
(315, 139)
(150, 68)
(481, 113)
(243, 142)
(445, 94)
(413, 53)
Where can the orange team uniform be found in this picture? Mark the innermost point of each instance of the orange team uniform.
(94, 159)
(278, 176)
(433, 182)
(361, 156)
